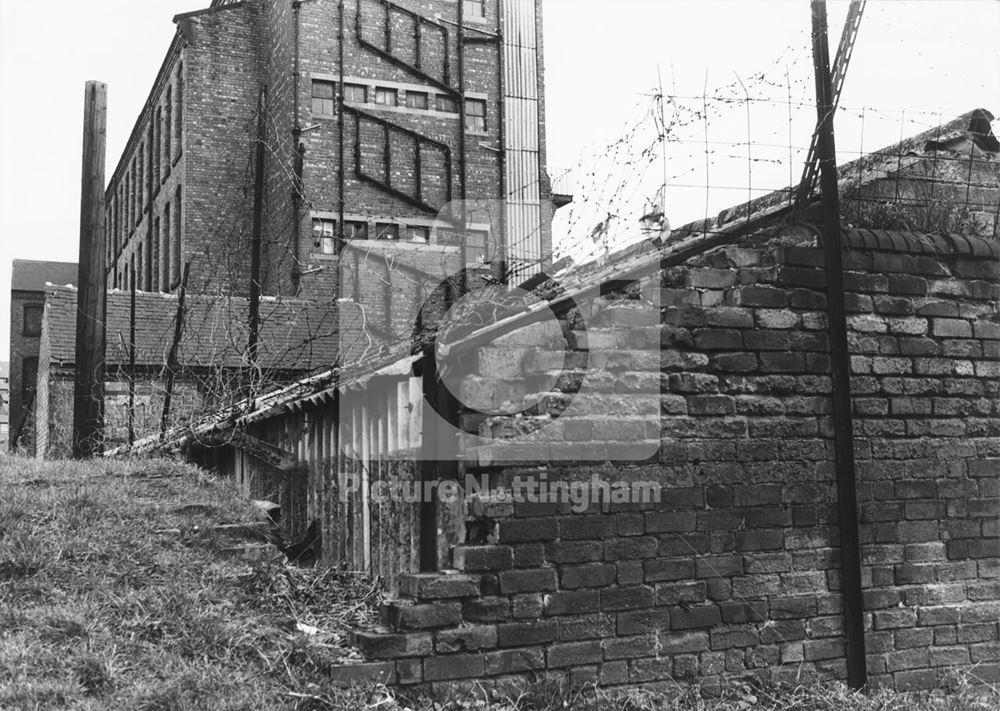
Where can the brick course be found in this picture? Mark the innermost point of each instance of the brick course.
(735, 571)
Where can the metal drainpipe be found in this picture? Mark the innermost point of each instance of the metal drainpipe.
(300, 151)
(500, 269)
(463, 145)
(840, 364)
(340, 130)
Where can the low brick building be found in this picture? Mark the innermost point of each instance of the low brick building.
(212, 366)
(4, 404)
(642, 462)
(27, 301)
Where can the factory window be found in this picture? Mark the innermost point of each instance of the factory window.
(157, 152)
(475, 243)
(324, 98)
(475, 115)
(140, 267)
(165, 250)
(355, 230)
(127, 206)
(323, 235)
(386, 230)
(355, 93)
(168, 129)
(385, 96)
(416, 100)
(418, 233)
(132, 198)
(179, 123)
(475, 9)
(476, 247)
(446, 103)
(141, 193)
(175, 254)
(32, 325)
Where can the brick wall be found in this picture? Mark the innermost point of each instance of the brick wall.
(54, 412)
(735, 570)
(224, 67)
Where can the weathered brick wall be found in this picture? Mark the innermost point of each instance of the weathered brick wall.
(55, 438)
(223, 68)
(735, 571)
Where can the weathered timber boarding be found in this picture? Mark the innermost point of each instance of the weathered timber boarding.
(377, 436)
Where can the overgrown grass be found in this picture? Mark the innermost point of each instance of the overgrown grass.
(116, 593)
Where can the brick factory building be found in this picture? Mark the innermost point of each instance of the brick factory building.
(27, 304)
(376, 115)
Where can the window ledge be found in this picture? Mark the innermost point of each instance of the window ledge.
(369, 105)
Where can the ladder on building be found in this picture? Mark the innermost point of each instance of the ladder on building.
(810, 171)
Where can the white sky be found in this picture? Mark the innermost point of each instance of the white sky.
(929, 58)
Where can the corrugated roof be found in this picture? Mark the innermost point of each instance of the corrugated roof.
(294, 335)
(30, 275)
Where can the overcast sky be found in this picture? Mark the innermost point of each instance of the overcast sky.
(915, 62)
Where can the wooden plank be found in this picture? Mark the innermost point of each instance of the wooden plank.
(272, 455)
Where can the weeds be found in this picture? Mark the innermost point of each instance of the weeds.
(99, 609)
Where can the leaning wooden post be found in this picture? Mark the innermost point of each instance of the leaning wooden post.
(88, 385)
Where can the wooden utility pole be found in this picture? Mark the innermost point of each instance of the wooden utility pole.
(850, 549)
(131, 359)
(255, 240)
(88, 384)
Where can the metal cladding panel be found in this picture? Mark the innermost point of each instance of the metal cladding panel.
(525, 239)
(519, 23)
(521, 72)
(521, 124)
(523, 177)
(522, 171)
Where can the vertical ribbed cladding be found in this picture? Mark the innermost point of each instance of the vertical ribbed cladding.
(522, 170)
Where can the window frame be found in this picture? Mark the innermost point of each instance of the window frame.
(32, 307)
(355, 226)
(320, 238)
(382, 229)
(321, 103)
(474, 10)
(421, 96)
(411, 230)
(438, 98)
(350, 88)
(385, 91)
(480, 118)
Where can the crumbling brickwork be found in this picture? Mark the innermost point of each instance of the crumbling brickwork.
(735, 570)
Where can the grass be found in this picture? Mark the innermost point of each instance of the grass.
(116, 593)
